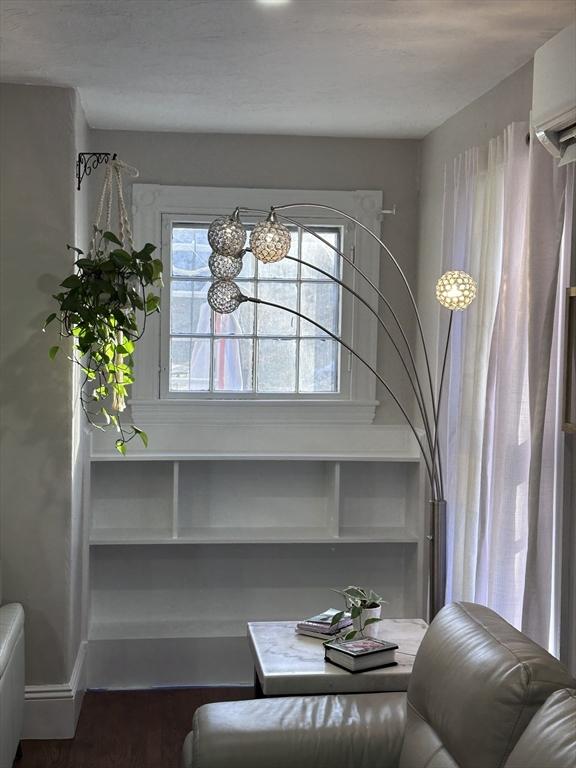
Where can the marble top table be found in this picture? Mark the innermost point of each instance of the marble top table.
(287, 664)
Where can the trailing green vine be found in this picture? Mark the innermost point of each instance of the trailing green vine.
(99, 309)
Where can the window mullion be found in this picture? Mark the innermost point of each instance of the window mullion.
(255, 329)
(298, 307)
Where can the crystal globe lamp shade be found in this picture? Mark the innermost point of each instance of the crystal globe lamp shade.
(227, 235)
(270, 240)
(456, 290)
(224, 296)
(224, 267)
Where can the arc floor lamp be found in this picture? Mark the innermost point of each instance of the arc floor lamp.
(270, 242)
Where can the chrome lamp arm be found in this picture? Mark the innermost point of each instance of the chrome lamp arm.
(455, 290)
(253, 300)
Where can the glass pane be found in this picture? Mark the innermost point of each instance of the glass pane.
(285, 269)
(276, 370)
(189, 365)
(319, 254)
(320, 302)
(190, 251)
(189, 310)
(248, 267)
(240, 322)
(318, 365)
(273, 321)
(233, 365)
(246, 286)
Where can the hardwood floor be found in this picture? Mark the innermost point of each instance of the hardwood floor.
(128, 729)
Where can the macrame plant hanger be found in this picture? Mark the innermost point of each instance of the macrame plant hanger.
(113, 186)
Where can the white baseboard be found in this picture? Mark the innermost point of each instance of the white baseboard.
(52, 711)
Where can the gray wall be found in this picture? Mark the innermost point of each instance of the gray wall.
(80, 431)
(38, 543)
(290, 162)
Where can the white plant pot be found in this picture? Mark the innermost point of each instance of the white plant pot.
(368, 613)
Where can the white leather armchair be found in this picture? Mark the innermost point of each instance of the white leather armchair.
(11, 681)
(482, 695)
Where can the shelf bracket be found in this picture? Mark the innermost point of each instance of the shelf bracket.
(88, 162)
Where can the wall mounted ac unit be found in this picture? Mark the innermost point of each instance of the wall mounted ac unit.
(554, 95)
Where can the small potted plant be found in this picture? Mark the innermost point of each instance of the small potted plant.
(364, 606)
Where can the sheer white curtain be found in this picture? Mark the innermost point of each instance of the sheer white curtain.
(503, 223)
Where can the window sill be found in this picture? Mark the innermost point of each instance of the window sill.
(192, 411)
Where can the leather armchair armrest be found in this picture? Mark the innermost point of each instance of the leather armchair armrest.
(11, 628)
(11, 680)
(363, 730)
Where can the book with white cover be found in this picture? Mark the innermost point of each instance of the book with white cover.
(322, 622)
(325, 617)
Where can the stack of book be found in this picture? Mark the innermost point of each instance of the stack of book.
(321, 626)
(359, 655)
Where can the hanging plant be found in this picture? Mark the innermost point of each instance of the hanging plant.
(100, 309)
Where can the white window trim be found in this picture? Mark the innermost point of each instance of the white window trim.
(150, 203)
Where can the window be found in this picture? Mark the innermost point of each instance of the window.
(260, 362)
(257, 349)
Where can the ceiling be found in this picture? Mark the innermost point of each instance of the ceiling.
(369, 68)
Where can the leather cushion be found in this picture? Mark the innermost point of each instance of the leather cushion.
(550, 738)
(423, 748)
(477, 682)
(360, 730)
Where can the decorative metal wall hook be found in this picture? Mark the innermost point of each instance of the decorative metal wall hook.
(89, 161)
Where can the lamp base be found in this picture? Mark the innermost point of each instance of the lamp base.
(437, 556)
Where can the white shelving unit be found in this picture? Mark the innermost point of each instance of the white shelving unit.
(261, 536)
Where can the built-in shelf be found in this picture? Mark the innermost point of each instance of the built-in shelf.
(149, 593)
(169, 628)
(256, 501)
(377, 456)
(251, 536)
(131, 536)
(378, 534)
(262, 535)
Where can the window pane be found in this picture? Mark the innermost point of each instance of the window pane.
(315, 252)
(233, 365)
(276, 365)
(190, 251)
(189, 310)
(238, 323)
(273, 321)
(318, 365)
(248, 266)
(189, 365)
(320, 302)
(232, 360)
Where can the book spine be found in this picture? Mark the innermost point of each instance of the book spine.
(341, 648)
(317, 627)
(365, 669)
